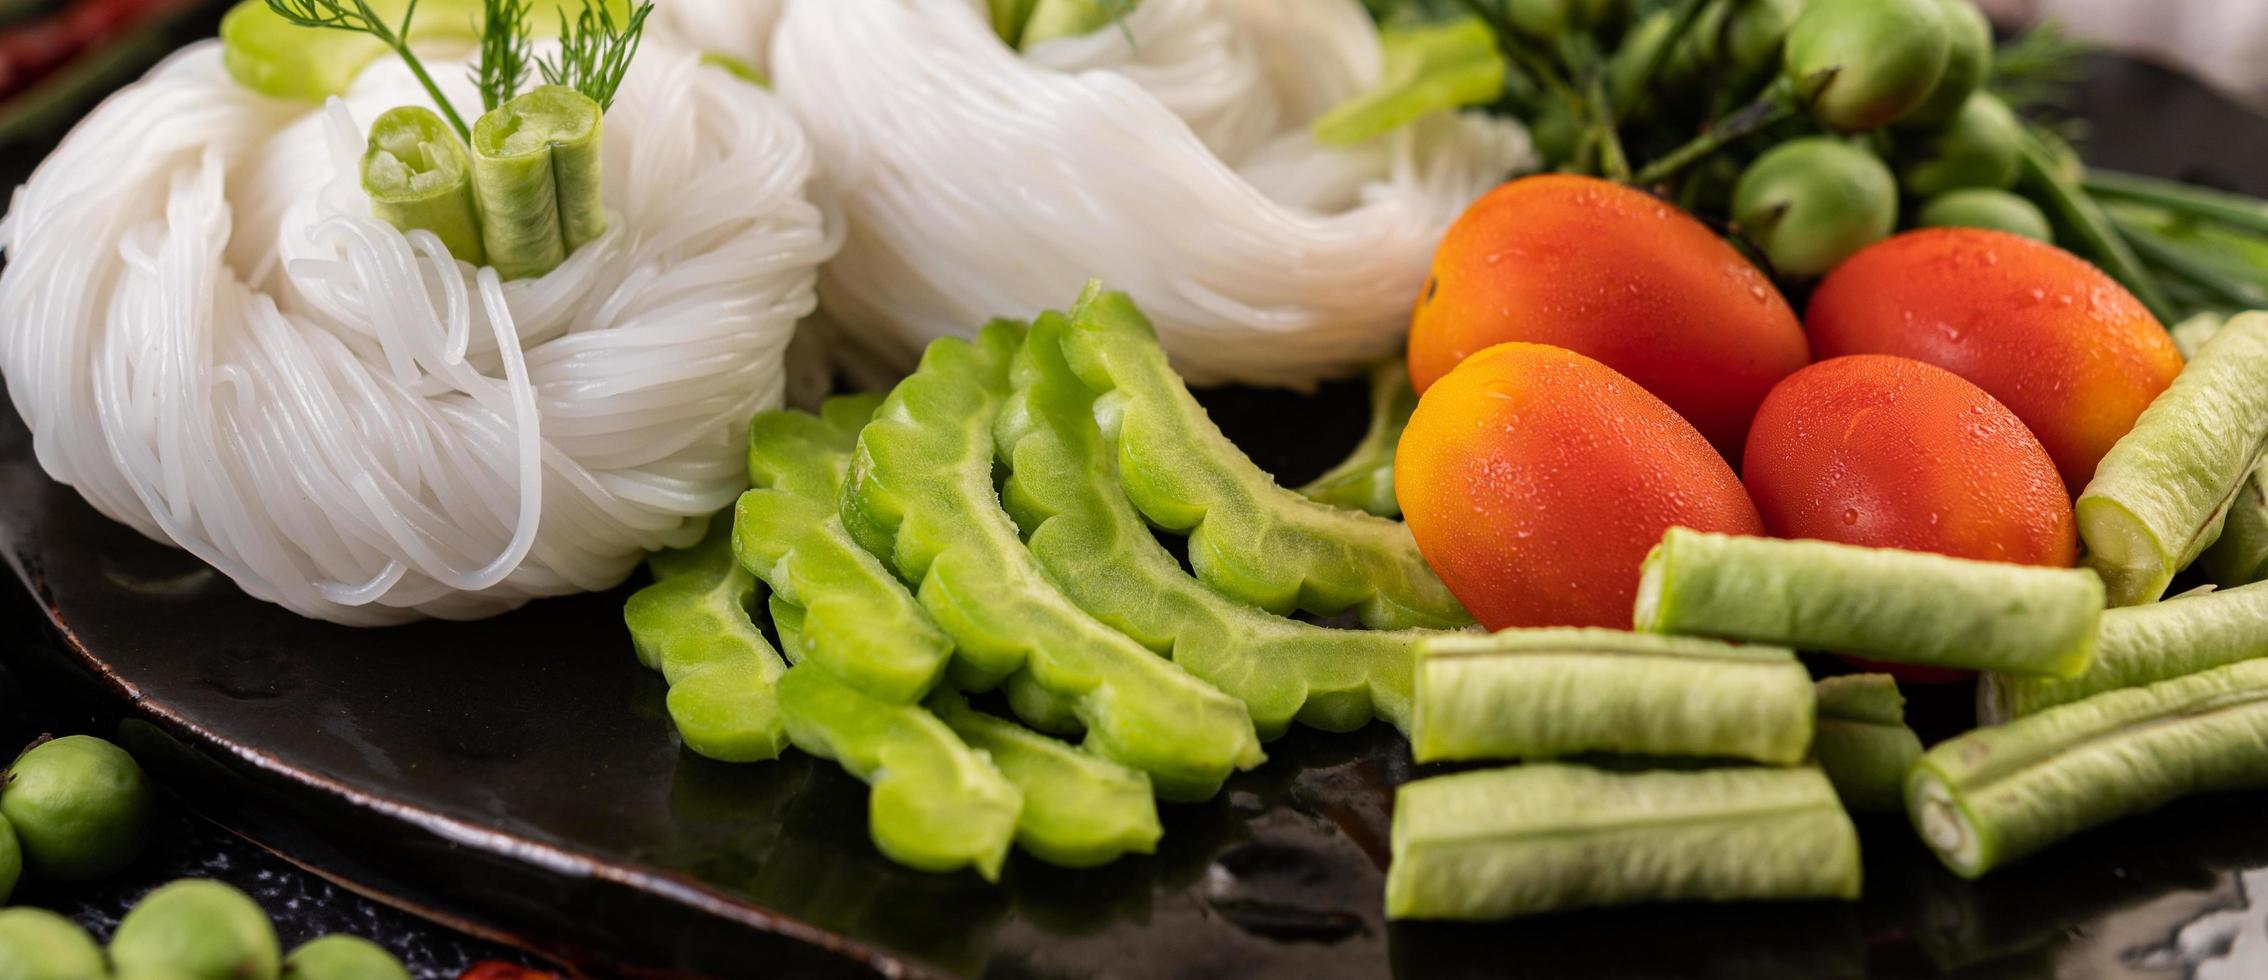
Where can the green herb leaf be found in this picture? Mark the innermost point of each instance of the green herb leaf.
(595, 52)
(355, 16)
(504, 54)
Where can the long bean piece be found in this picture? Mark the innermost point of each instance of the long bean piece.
(1996, 794)
(1544, 693)
(417, 177)
(1249, 538)
(1901, 606)
(536, 164)
(2142, 645)
(2239, 555)
(1498, 843)
(1063, 490)
(2163, 492)
(920, 496)
(1862, 741)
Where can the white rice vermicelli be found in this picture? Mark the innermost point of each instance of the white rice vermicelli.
(214, 342)
(1168, 155)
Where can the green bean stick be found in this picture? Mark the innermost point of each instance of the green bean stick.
(1250, 539)
(852, 617)
(1543, 693)
(416, 175)
(2144, 644)
(1862, 742)
(1905, 607)
(2239, 556)
(1365, 479)
(536, 164)
(921, 497)
(1499, 843)
(2163, 492)
(1997, 794)
(1063, 490)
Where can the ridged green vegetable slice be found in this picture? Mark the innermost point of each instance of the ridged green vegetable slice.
(536, 164)
(1365, 479)
(2145, 644)
(854, 619)
(921, 496)
(1993, 795)
(2162, 492)
(1080, 810)
(935, 804)
(693, 626)
(1427, 68)
(1862, 742)
(1498, 843)
(1901, 606)
(1063, 491)
(1542, 693)
(1248, 538)
(417, 176)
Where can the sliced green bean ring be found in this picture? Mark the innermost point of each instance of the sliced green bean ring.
(1080, 809)
(1364, 480)
(921, 496)
(1901, 606)
(2162, 493)
(1248, 538)
(1544, 693)
(855, 620)
(1063, 491)
(417, 177)
(1862, 742)
(2145, 644)
(693, 625)
(1498, 843)
(536, 165)
(935, 804)
(1997, 794)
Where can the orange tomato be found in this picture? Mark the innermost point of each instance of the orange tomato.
(1894, 453)
(1536, 479)
(1618, 275)
(2060, 343)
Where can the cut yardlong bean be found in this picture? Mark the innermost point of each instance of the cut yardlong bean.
(1543, 693)
(1499, 843)
(921, 496)
(1063, 490)
(536, 165)
(1080, 809)
(1862, 741)
(1248, 538)
(693, 626)
(2239, 555)
(853, 618)
(1365, 479)
(2163, 492)
(1901, 606)
(1996, 794)
(2145, 644)
(417, 177)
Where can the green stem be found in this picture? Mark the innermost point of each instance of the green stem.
(1520, 57)
(432, 90)
(1583, 60)
(2250, 214)
(2164, 253)
(1775, 103)
(2097, 239)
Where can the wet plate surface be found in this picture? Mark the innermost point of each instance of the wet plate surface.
(517, 777)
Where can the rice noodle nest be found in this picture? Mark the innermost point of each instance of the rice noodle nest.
(1169, 154)
(210, 338)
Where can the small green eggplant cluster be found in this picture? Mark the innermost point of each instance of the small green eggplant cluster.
(989, 526)
(190, 929)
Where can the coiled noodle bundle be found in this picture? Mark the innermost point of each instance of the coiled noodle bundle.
(215, 343)
(1169, 153)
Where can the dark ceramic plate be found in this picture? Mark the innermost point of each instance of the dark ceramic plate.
(517, 777)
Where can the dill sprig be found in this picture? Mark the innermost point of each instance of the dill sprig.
(2039, 68)
(355, 16)
(504, 52)
(594, 52)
